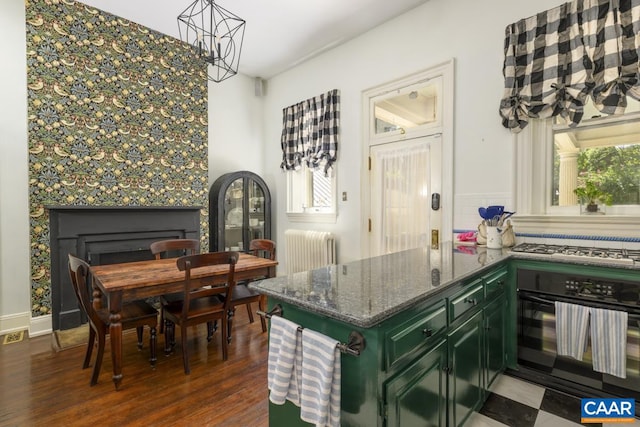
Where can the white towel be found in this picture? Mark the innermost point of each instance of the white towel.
(285, 361)
(609, 341)
(320, 400)
(571, 329)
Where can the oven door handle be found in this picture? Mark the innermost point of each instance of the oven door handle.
(529, 297)
(534, 298)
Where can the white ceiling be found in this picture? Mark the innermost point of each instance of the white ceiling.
(279, 34)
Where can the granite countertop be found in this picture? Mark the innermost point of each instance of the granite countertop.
(366, 292)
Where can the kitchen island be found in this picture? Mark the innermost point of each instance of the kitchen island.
(435, 324)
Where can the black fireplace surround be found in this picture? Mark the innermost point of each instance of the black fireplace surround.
(107, 235)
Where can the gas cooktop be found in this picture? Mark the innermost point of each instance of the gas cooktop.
(581, 253)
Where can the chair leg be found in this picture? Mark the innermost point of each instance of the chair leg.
(250, 312)
(169, 332)
(209, 331)
(185, 349)
(230, 315)
(140, 331)
(161, 320)
(92, 342)
(225, 344)
(96, 367)
(152, 346)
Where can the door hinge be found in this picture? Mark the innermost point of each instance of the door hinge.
(369, 162)
(369, 225)
(382, 407)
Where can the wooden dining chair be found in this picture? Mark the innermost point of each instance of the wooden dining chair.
(242, 295)
(200, 302)
(135, 314)
(173, 248)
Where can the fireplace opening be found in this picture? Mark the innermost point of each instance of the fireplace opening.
(107, 236)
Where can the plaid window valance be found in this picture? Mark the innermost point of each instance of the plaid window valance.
(310, 131)
(557, 58)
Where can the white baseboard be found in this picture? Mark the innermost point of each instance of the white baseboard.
(40, 325)
(14, 322)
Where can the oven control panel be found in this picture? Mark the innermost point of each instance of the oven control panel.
(578, 286)
(589, 288)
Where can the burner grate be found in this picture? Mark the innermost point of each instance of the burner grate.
(622, 256)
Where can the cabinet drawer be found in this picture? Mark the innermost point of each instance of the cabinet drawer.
(495, 283)
(469, 298)
(416, 333)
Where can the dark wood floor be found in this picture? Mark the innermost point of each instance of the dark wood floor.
(39, 386)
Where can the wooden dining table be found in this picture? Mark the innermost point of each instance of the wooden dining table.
(116, 283)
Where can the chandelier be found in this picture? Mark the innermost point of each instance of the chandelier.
(215, 34)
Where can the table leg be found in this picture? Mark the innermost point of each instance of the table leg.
(115, 334)
(97, 297)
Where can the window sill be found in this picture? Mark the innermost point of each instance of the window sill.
(583, 225)
(319, 217)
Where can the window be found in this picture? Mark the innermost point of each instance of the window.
(603, 152)
(310, 136)
(311, 195)
(554, 158)
(415, 106)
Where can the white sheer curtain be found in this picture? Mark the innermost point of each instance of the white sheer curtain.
(402, 171)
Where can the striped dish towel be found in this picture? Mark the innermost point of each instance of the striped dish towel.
(320, 400)
(284, 362)
(571, 329)
(609, 341)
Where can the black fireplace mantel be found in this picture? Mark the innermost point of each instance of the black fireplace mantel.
(105, 235)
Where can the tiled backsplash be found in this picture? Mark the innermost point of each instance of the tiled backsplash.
(572, 240)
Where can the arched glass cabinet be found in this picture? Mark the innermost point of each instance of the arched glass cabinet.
(239, 211)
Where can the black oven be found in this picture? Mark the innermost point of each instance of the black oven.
(537, 358)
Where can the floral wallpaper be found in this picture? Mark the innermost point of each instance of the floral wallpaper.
(117, 116)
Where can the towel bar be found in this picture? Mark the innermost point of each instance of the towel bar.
(354, 347)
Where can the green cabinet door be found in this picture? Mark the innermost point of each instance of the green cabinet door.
(417, 395)
(466, 377)
(494, 319)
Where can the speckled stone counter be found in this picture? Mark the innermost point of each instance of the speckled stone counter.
(366, 292)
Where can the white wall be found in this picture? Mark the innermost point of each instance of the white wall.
(14, 213)
(245, 130)
(469, 31)
(235, 127)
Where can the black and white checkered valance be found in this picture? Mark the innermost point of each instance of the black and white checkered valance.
(310, 131)
(557, 58)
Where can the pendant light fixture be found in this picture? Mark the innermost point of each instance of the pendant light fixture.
(216, 36)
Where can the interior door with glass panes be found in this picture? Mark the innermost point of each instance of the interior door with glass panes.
(404, 176)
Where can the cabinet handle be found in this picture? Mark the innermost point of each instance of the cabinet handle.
(471, 301)
(427, 332)
(446, 369)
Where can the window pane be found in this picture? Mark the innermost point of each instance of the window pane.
(320, 189)
(607, 155)
(414, 106)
